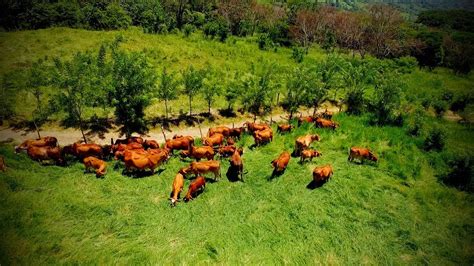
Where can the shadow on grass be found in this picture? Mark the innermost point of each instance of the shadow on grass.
(233, 175)
(227, 112)
(315, 184)
(141, 174)
(275, 174)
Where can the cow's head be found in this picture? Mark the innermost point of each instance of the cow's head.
(315, 137)
(372, 157)
(185, 170)
(173, 202)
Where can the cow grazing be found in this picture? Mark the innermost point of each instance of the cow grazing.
(3, 165)
(361, 154)
(82, 151)
(196, 187)
(303, 143)
(46, 153)
(176, 189)
(226, 151)
(324, 123)
(179, 143)
(200, 168)
(151, 144)
(284, 128)
(236, 132)
(97, 164)
(199, 153)
(263, 136)
(216, 139)
(322, 173)
(236, 163)
(252, 127)
(279, 164)
(42, 142)
(221, 130)
(305, 119)
(305, 154)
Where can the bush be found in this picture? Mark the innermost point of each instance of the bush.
(460, 174)
(116, 17)
(355, 101)
(216, 28)
(264, 42)
(188, 29)
(435, 140)
(298, 54)
(415, 124)
(440, 106)
(406, 64)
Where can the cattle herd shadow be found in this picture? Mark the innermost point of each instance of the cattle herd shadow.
(232, 175)
(141, 174)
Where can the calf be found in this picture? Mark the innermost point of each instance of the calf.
(226, 151)
(305, 154)
(3, 166)
(195, 188)
(176, 189)
(202, 168)
(41, 154)
(199, 152)
(236, 132)
(236, 163)
(284, 128)
(279, 164)
(322, 173)
(324, 123)
(97, 164)
(221, 130)
(41, 142)
(263, 136)
(215, 139)
(305, 119)
(361, 154)
(303, 142)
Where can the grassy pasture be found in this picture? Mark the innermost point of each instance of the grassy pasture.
(393, 212)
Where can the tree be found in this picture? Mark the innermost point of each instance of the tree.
(233, 91)
(297, 86)
(167, 90)
(256, 91)
(211, 87)
(386, 101)
(79, 82)
(132, 80)
(235, 13)
(192, 81)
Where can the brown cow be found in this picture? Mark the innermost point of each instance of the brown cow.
(327, 114)
(220, 129)
(226, 151)
(151, 144)
(199, 152)
(237, 132)
(42, 142)
(45, 153)
(252, 127)
(97, 164)
(322, 173)
(361, 154)
(284, 128)
(305, 119)
(196, 187)
(236, 163)
(140, 161)
(303, 142)
(179, 143)
(279, 164)
(324, 123)
(120, 149)
(230, 141)
(3, 165)
(215, 139)
(82, 151)
(176, 189)
(202, 168)
(305, 154)
(263, 136)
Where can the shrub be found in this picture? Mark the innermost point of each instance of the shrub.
(298, 54)
(435, 140)
(355, 101)
(440, 106)
(415, 124)
(406, 64)
(116, 17)
(264, 42)
(460, 174)
(188, 29)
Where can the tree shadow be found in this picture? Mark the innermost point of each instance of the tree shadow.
(141, 174)
(227, 112)
(99, 126)
(315, 184)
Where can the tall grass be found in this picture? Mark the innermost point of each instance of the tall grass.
(393, 212)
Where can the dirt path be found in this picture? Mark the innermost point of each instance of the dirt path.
(68, 136)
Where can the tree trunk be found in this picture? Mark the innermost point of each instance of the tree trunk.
(209, 107)
(190, 107)
(278, 99)
(315, 109)
(82, 130)
(254, 117)
(37, 129)
(166, 109)
(291, 116)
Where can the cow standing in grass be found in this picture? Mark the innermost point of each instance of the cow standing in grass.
(196, 187)
(176, 189)
(361, 154)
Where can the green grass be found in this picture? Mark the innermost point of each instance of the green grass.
(393, 212)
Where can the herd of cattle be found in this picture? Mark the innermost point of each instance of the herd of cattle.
(138, 154)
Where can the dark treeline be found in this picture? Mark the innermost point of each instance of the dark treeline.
(377, 29)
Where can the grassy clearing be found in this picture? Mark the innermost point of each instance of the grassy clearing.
(394, 212)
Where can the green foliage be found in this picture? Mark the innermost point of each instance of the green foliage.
(257, 89)
(132, 80)
(188, 29)
(451, 19)
(192, 81)
(435, 140)
(461, 173)
(98, 15)
(167, 90)
(211, 86)
(7, 97)
(216, 28)
(297, 53)
(298, 85)
(386, 102)
(264, 42)
(148, 14)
